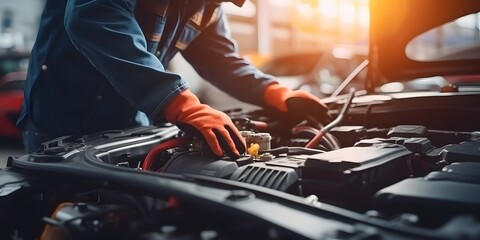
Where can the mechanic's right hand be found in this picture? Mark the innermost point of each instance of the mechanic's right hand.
(298, 105)
(214, 126)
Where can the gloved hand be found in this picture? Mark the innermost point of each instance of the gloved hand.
(216, 128)
(298, 105)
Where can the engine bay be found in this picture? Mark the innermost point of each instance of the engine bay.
(358, 180)
(355, 167)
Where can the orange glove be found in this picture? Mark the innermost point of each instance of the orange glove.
(299, 105)
(216, 128)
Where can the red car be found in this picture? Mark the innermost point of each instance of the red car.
(11, 97)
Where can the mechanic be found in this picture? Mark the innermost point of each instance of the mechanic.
(101, 64)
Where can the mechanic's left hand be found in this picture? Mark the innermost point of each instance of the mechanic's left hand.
(298, 105)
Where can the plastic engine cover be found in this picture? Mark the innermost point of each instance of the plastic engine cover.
(350, 176)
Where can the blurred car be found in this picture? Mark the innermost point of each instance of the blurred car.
(391, 165)
(11, 98)
(13, 72)
(319, 72)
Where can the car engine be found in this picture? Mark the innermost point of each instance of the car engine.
(372, 177)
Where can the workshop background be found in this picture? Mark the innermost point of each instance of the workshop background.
(264, 29)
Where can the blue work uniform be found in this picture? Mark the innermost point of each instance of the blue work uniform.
(97, 63)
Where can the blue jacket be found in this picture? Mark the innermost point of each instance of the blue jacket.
(97, 63)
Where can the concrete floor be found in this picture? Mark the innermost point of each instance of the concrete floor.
(9, 147)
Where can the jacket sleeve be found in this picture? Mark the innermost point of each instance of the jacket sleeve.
(107, 34)
(214, 55)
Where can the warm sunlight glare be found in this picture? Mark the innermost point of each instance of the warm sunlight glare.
(328, 8)
(348, 18)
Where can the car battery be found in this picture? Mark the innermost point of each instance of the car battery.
(350, 176)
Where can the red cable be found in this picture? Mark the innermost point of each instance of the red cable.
(316, 140)
(161, 147)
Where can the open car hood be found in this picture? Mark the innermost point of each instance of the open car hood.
(395, 23)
